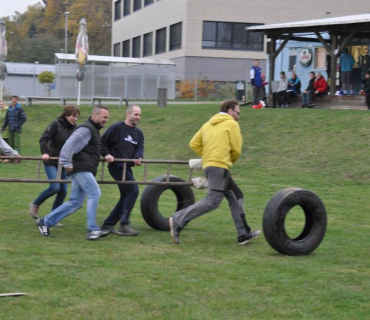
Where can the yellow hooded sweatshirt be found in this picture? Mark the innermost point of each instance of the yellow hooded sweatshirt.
(219, 142)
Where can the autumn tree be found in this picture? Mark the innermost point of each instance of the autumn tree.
(40, 32)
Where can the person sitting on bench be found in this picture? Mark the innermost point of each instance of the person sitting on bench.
(279, 95)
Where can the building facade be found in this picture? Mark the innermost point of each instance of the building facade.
(207, 38)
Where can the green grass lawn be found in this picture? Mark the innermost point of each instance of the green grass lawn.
(207, 276)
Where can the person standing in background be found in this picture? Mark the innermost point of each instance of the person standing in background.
(256, 81)
(15, 117)
(346, 66)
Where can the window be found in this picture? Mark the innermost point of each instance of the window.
(230, 36)
(136, 47)
(175, 36)
(147, 2)
(117, 49)
(137, 5)
(292, 59)
(117, 10)
(126, 7)
(126, 48)
(320, 58)
(148, 44)
(160, 41)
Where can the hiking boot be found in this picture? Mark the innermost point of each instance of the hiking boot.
(44, 230)
(251, 235)
(126, 230)
(175, 230)
(33, 211)
(96, 234)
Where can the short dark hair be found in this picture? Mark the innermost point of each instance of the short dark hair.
(312, 73)
(98, 108)
(70, 111)
(282, 72)
(14, 97)
(229, 104)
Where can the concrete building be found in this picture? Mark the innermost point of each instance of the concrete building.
(207, 38)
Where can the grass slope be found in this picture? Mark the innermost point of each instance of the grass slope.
(208, 276)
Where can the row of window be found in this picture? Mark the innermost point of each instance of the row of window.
(231, 36)
(128, 7)
(216, 35)
(160, 43)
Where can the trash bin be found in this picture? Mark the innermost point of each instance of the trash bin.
(240, 90)
(162, 97)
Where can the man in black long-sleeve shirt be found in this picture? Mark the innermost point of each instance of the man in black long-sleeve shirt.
(124, 140)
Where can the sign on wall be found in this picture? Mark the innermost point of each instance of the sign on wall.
(305, 56)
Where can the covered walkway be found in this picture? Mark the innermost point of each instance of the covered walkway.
(334, 34)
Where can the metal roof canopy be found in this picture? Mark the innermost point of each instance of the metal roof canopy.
(108, 59)
(341, 30)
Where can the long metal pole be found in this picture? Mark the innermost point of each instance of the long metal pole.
(66, 14)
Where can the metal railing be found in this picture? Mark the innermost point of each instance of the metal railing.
(144, 181)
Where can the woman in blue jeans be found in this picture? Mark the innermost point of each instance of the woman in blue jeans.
(51, 142)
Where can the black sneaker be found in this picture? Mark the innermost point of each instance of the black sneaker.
(96, 234)
(244, 239)
(126, 230)
(175, 230)
(44, 230)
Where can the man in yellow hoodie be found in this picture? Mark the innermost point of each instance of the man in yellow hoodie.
(219, 143)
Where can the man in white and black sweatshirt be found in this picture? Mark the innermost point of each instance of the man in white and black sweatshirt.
(126, 141)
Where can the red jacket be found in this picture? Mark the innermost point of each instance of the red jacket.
(320, 85)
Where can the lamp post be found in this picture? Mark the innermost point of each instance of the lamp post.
(34, 77)
(66, 14)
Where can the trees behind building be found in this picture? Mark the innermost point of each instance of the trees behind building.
(38, 33)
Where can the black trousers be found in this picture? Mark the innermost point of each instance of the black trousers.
(279, 98)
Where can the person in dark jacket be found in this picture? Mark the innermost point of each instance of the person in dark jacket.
(307, 94)
(51, 142)
(366, 88)
(294, 88)
(14, 119)
(80, 157)
(126, 141)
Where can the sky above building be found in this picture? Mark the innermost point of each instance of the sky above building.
(9, 7)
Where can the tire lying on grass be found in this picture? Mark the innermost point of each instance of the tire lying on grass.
(151, 194)
(274, 221)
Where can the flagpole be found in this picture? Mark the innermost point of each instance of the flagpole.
(79, 93)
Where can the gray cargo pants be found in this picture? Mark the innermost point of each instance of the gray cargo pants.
(220, 184)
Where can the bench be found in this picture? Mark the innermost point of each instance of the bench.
(30, 98)
(99, 99)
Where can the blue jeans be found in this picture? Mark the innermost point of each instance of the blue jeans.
(307, 97)
(83, 184)
(128, 196)
(60, 189)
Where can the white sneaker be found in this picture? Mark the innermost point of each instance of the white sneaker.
(96, 234)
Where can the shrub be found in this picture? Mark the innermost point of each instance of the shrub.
(46, 77)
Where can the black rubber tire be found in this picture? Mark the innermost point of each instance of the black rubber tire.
(274, 221)
(150, 197)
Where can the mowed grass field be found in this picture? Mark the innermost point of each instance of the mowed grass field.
(207, 276)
